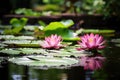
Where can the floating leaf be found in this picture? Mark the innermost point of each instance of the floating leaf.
(25, 51)
(23, 43)
(11, 37)
(66, 34)
(97, 31)
(32, 50)
(68, 23)
(54, 26)
(10, 51)
(57, 25)
(116, 40)
(67, 53)
(42, 61)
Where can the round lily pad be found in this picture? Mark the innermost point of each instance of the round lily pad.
(44, 61)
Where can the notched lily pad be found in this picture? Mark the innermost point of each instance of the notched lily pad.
(44, 61)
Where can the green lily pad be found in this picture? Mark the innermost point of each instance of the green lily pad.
(116, 40)
(23, 43)
(57, 25)
(44, 61)
(97, 31)
(71, 52)
(10, 51)
(11, 37)
(66, 34)
(32, 50)
(25, 51)
(67, 23)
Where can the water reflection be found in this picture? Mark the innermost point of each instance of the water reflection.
(28, 73)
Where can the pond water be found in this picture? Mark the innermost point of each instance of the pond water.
(110, 70)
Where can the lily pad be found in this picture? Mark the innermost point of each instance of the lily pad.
(10, 52)
(23, 43)
(97, 31)
(11, 37)
(25, 51)
(67, 53)
(43, 61)
(57, 25)
(116, 40)
(33, 50)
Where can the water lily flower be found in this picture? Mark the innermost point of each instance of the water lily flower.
(52, 42)
(91, 42)
(92, 63)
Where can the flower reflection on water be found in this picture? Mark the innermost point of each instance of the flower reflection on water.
(92, 63)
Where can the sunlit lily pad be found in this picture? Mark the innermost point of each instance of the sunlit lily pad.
(71, 52)
(11, 37)
(23, 43)
(32, 50)
(32, 27)
(97, 31)
(9, 52)
(25, 51)
(67, 53)
(43, 61)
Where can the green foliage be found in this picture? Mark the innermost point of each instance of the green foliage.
(41, 23)
(49, 7)
(27, 12)
(17, 26)
(54, 26)
(61, 28)
(100, 74)
(92, 6)
(112, 7)
(59, 25)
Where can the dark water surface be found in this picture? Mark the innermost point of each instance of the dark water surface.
(110, 70)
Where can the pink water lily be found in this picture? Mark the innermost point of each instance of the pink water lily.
(52, 42)
(91, 41)
(92, 63)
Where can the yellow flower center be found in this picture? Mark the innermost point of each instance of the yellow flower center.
(90, 40)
